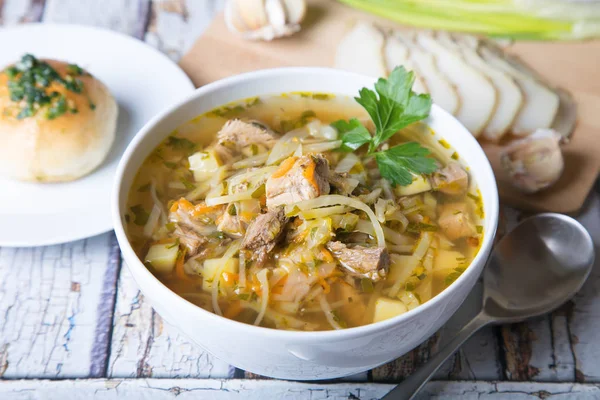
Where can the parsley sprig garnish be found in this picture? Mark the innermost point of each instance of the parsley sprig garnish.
(392, 106)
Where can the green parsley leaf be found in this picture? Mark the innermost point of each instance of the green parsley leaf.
(58, 108)
(399, 163)
(302, 120)
(454, 275)
(188, 185)
(392, 106)
(398, 105)
(174, 244)
(180, 143)
(366, 285)
(243, 296)
(418, 227)
(354, 134)
(140, 215)
(74, 69)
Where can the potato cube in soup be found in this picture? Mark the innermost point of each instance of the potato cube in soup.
(204, 164)
(419, 184)
(447, 259)
(387, 308)
(162, 257)
(210, 270)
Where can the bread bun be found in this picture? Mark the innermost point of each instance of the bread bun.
(58, 141)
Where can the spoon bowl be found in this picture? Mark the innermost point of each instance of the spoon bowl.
(536, 267)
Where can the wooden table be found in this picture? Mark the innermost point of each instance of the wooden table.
(74, 325)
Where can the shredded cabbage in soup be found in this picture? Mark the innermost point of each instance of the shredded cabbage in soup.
(251, 211)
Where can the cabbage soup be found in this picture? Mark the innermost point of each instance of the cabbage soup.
(307, 211)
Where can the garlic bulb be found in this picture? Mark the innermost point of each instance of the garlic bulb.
(535, 162)
(264, 19)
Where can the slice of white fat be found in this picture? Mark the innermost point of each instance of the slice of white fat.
(540, 105)
(510, 98)
(566, 116)
(442, 91)
(396, 53)
(477, 94)
(361, 51)
(540, 102)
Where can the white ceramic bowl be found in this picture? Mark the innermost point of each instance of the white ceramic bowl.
(288, 354)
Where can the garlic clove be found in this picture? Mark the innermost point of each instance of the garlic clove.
(275, 13)
(264, 19)
(271, 32)
(295, 10)
(535, 162)
(233, 20)
(253, 13)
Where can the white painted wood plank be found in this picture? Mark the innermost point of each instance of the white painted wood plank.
(584, 319)
(478, 358)
(143, 345)
(19, 11)
(551, 350)
(129, 17)
(211, 389)
(175, 24)
(49, 308)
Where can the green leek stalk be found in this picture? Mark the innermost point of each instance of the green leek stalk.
(516, 19)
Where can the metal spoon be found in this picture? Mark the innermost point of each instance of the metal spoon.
(534, 269)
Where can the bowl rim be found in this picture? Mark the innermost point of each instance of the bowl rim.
(491, 213)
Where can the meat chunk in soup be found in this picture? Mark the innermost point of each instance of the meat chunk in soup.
(455, 221)
(360, 261)
(298, 179)
(342, 183)
(237, 134)
(192, 229)
(263, 233)
(296, 285)
(190, 240)
(452, 180)
(230, 224)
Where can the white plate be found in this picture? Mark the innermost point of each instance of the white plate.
(143, 81)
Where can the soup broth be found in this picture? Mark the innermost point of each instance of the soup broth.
(253, 212)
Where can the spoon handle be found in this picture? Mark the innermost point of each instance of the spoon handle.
(409, 387)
